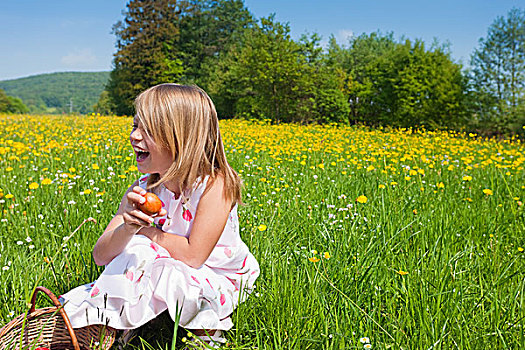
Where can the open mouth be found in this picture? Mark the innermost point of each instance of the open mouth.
(141, 155)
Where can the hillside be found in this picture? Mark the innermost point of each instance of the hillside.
(52, 93)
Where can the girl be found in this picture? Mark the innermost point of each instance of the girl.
(189, 259)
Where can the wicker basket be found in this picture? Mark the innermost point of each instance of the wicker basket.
(50, 327)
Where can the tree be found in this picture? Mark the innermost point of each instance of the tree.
(354, 64)
(9, 104)
(267, 75)
(400, 84)
(104, 105)
(207, 29)
(498, 73)
(163, 41)
(146, 51)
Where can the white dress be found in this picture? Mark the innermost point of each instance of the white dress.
(143, 280)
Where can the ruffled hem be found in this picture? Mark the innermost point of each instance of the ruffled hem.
(142, 282)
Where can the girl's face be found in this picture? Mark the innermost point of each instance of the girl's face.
(150, 157)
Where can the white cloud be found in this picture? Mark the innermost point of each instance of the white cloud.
(344, 35)
(82, 58)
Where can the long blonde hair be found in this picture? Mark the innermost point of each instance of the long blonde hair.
(183, 120)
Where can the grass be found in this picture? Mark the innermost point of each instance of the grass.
(412, 239)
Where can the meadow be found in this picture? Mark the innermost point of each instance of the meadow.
(367, 238)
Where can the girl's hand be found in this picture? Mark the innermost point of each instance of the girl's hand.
(134, 218)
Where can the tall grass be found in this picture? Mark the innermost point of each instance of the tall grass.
(410, 239)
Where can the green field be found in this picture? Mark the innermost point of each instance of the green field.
(410, 238)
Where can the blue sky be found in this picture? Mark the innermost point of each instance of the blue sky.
(60, 35)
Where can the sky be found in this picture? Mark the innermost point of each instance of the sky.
(73, 35)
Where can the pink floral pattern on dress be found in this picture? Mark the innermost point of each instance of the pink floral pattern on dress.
(186, 215)
(162, 257)
(228, 252)
(129, 275)
(195, 279)
(95, 292)
(233, 282)
(223, 299)
(209, 283)
(140, 277)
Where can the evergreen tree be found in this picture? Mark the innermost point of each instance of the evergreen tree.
(206, 30)
(170, 41)
(146, 50)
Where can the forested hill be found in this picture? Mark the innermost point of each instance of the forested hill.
(53, 92)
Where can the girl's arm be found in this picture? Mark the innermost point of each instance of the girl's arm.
(210, 218)
(125, 224)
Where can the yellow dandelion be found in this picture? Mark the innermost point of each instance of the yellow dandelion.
(95, 166)
(488, 191)
(382, 186)
(326, 255)
(9, 196)
(8, 169)
(321, 166)
(314, 259)
(47, 181)
(33, 186)
(362, 199)
(520, 249)
(467, 178)
(88, 191)
(262, 227)
(402, 273)
(440, 185)
(393, 183)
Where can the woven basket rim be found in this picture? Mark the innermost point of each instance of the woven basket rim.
(84, 336)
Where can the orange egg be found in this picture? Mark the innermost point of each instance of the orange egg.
(152, 205)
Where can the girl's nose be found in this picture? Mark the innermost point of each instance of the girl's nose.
(136, 135)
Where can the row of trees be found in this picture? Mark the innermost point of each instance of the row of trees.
(253, 68)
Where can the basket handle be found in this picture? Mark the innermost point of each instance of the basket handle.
(59, 308)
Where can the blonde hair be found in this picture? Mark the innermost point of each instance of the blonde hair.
(183, 120)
